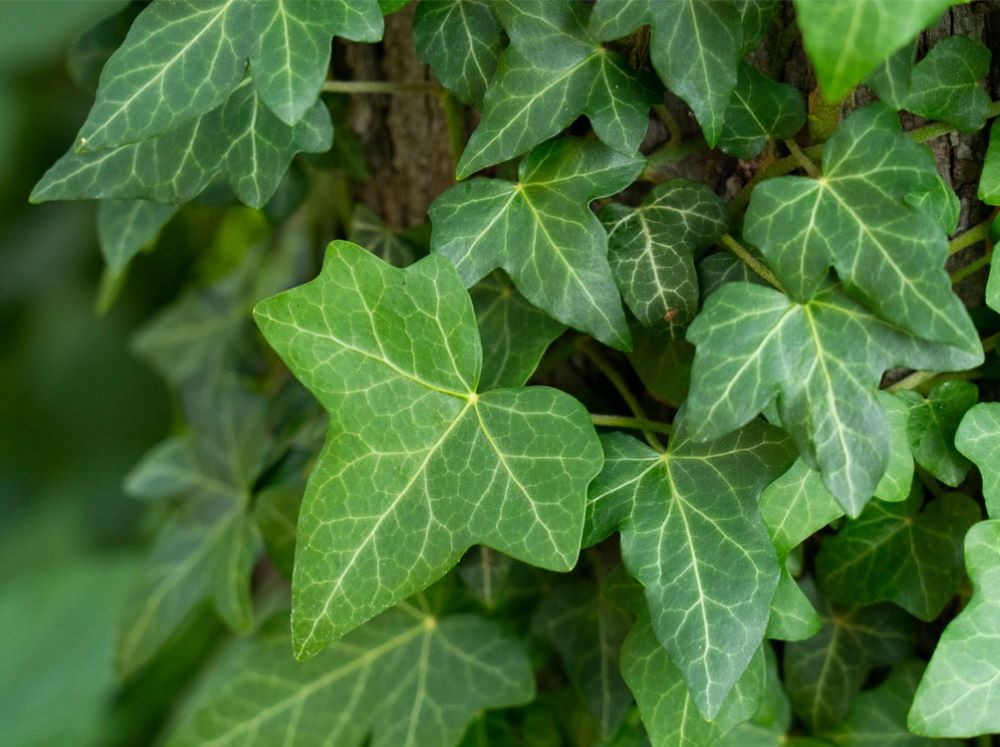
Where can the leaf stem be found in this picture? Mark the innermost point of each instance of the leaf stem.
(381, 86)
(611, 374)
(635, 424)
(750, 261)
(969, 237)
(802, 159)
(963, 272)
(672, 127)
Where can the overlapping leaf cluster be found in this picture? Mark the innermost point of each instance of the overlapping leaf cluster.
(791, 498)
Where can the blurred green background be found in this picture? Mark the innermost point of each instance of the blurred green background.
(78, 410)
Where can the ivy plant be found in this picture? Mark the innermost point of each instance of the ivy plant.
(668, 421)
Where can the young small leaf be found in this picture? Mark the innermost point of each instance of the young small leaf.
(761, 109)
(978, 438)
(932, 425)
(126, 226)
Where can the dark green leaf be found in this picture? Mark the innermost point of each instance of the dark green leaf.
(124, 227)
(932, 425)
(761, 109)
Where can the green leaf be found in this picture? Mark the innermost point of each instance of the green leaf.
(662, 363)
(824, 674)
(820, 363)
(855, 219)
(692, 536)
(756, 17)
(847, 39)
(587, 629)
(240, 141)
(978, 438)
(276, 512)
(959, 694)
(989, 181)
(91, 50)
(877, 717)
(542, 233)
(896, 552)
(695, 47)
(292, 53)
(515, 334)
(939, 203)
(485, 573)
(792, 615)
(761, 109)
(553, 72)
(769, 724)
(652, 248)
(368, 230)
(407, 677)
(417, 466)
(461, 41)
(664, 700)
(932, 425)
(124, 227)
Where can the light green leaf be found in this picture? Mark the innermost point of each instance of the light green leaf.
(978, 438)
(652, 248)
(959, 695)
(855, 219)
(932, 425)
(515, 334)
(240, 141)
(820, 363)
(939, 203)
(695, 47)
(664, 700)
(823, 674)
(368, 230)
(461, 41)
(587, 629)
(126, 226)
(896, 552)
(409, 677)
(847, 39)
(761, 109)
(553, 72)
(292, 52)
(792, 615)
(542, 233)
(877, 717)
(989, 181)
(692, 536)
(417, 466)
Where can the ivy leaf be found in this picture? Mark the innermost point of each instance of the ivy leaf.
(292, 53)
(241, 141)
(368, 230)
(417, 466)
(664, 700)
(792, 615)
(939, 203)
(959, 694)
(756, 17)
(896, 552)
(692, 536)
(553, 72)
(823, 674)
(515, 334)
(761, 109)
(856, 219)
(651, 249)
(695, 48)
(461, 41)
(124, 227)
(587, 629)
(663, 364)
(276, 512)
(410, 676)
(989, 181)
(932, 425)
(485, 573)
(542, 233)
(820, 363)
(846, 40)
(978, 438)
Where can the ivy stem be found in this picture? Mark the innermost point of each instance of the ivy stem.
(802, 159)
(967, 238)
(381, 86)
(635, 424)
(672, 127)
(750, 261)
(611, 374)
(917, 378)
(963, 272)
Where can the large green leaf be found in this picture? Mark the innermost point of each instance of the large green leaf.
(409, 677)
(932, 425)
(761, 109)
(978, 438)
(820, 362)
(542, 233)
(665, 702)
(855, 218)
(896, 552)
(417, 466)
(692, 536)
(847, 39)
(240, 141)
(652, 249)
(553, 72)
(959, 695)
(695, 47)
(461, 41)
(181, 60)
